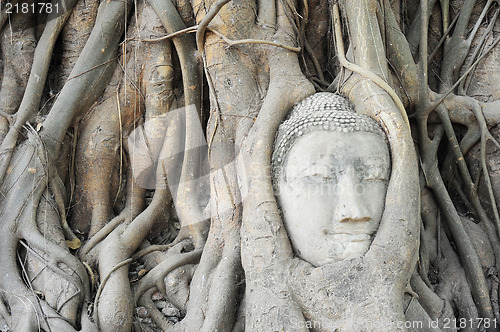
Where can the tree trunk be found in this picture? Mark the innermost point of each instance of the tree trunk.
(139, 189)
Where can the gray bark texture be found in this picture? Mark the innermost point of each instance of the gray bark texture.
(139, 188)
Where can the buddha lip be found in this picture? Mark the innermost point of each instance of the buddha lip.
(364, 233)
(350, 220)
(360, 240)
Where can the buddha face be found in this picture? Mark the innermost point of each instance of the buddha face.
(332, 193)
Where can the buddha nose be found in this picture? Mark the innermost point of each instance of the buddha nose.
(351, 205)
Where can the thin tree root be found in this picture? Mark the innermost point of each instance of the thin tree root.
(431, 57)
(101, 234)
(485, 135)
(168, 36)
(4, 312)
(36, 83)
(458, 157)
(9, 117)
(57, 187)
(105, 280)
(443, 96)
(255, 41)
(4, 15)
(137, 230)
(154, 278)
(135, 202)
(462, 88)
(186, 196)
(200, 33)
(153, 311)
(30, 286)
(58, 255)
(51, 264)
(472, 265)
(363, 71)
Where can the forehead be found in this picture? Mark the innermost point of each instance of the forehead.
(334, 147)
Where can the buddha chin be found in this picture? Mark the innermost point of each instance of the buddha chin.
(347, 246)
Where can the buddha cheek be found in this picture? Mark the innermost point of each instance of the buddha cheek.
(306, 217)
(374, 195)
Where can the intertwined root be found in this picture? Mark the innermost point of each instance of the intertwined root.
(249, 51)
(40, 276)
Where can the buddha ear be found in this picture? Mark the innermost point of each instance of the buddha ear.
(397, 239)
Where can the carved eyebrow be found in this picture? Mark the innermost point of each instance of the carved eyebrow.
(320, 161)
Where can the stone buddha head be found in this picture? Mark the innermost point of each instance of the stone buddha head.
(331, 168)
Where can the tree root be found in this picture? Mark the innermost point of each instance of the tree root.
(36, 82)
(467, 252)
(495, 295)
(155, 277)
(74, 36)
(134, 206)
(247, 102)
(456, 49)
(202, 26)
(79, 93)
(114, 254)
(463, 87)
(456, 288)
(15, 77)
(57, 256)
(186, 196)
(265, 226)
(153, 312)
(14, 290)
(57, 270)
(254, 41)
(363, 71)
(57, 187)
(467, 105)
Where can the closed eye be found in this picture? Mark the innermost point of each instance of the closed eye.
(320, 176)
(318, 173)
(317, 177)
(376, 179)
(374, 173)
